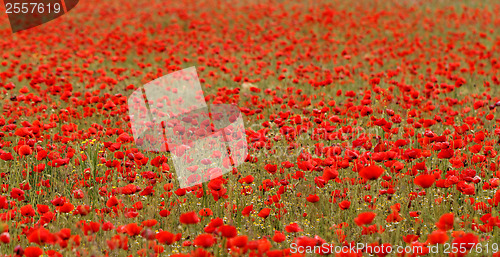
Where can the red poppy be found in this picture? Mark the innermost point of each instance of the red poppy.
(344, 205)
(41, 236)
(437, 237)
(112, 201)
(247, 210)
(330, 173)
(364, 218)
(149, 223)
(446, 221)
(66, 208)
(33, 251)
(5, 237)
(293, 228)
(239, 241)
(27, 211)
(24, 150)
(227, 231)
(165, 237)
(312, 198)
(424, 180)
(205, 212)
(264, 213)
(271, 168)
(371, 172)
(133, 229)
(204, 240)
(189, 218)
(279, 237)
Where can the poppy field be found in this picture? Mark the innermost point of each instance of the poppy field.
(369, 123)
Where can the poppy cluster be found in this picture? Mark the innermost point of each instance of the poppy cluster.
(369, 122)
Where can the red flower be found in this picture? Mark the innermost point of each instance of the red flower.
(264, 213)
(204, 240)
(112, 201)
(437, 237)
(227, 231)
(248, 179)
(344, 205)
(6, 156)
(330, 173)
(5, 237)
(312, 198)
(133, 229)
(165, 237)
(371, 172)
(149, 223)
(33, 251)
(189, 218)
(293, 228)
(424, 180)
(66, 208)
(24, 150)
(247, 210)
(205, 212)
(22, 132)
(446, 221)
(364, 218)
(279, 237)
(17, 194)
(41, 236)
(467, 240)
(239, 241)
(27, 211)
(271, 168)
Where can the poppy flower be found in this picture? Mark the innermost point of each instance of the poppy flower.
(279, 237)
(164, 213)
(33, 251)
(204, 240)
(17, 194)
(312, 198)
(239, 241)
(66, 208)
(371, 172)
(112, 201)
(41, 236)
(264, 213)
(205, 212)
(271, 168)
(446, 221)
(149, 223)
(424, 180)
(27, 211)
(437, 237)
(293, 228)
(468, 240)
(247, 210)
(165, 237)
(24, 150)
(107, 226)
(189, 218)
(364, 218)
(5, 237)
(227, 231)
(6, 156)
(22, 132)
(133, 229)
(248, 179)
(330, 173)
(344, 205)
